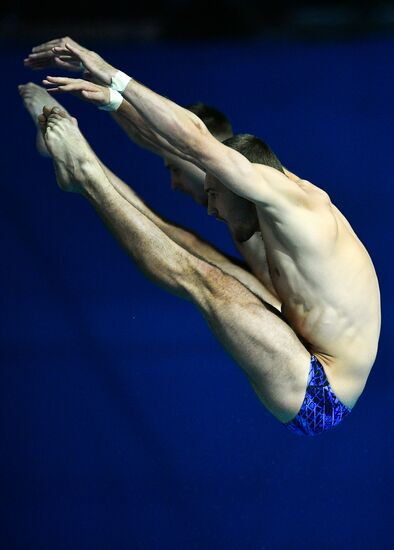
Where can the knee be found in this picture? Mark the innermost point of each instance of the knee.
(216, 291)
(213, 280)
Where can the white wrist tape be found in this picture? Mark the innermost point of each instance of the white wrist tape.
(115, 100)
(120, 81)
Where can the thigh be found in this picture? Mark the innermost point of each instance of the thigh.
(238, 269)
(261, 342)
(250, 281)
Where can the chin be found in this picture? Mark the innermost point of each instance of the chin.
(239, 236)
(244, 238)
(242, 234)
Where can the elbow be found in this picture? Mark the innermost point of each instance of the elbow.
(196, 135)
(188, 136)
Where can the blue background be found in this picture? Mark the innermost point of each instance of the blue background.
(124, 425)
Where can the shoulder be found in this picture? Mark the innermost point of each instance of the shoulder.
(292, 191)
(315, 193)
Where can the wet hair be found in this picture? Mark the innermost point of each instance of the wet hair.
(216, 122)
(254, 149)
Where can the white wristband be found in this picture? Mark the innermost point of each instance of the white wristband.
(120, 81)
(115, 100)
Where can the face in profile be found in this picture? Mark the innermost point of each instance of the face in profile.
(186, 177)
(239, 214)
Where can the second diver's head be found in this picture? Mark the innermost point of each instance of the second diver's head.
(185, 176)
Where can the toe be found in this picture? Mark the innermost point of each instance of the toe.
(42, 123)
(46, 111)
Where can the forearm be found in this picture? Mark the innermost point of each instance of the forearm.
(135, 127)
(138, 130)
(179, 127)
(133, 134)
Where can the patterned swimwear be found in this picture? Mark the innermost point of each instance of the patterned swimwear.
(321, 409)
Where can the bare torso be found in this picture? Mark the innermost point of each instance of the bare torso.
(328, 287)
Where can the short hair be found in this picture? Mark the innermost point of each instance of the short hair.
(254, 149)
(216, 122)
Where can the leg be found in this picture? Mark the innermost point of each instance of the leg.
(255, 335)
(196, 246)
(35, 97)
(263, 345)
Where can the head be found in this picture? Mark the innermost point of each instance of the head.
(216, 122)
(185, 176)
(239, 213)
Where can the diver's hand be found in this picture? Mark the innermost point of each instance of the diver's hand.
(43, 56)
(94, 93)
(99, 70)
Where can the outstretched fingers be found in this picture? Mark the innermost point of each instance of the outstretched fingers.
(99, 95)
(66, 54)
(70, 52)
(43, 55)
(100, 70)
(61, 79)
(45, 46)
(62, 50)
(41, 62)
(64, 84)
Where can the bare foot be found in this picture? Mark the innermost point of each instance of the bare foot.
(34, 98)
(75, 162)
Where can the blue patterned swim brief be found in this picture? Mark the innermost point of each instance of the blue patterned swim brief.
(321, 409)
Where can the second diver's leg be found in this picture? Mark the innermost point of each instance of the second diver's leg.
(263, 345)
